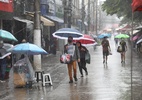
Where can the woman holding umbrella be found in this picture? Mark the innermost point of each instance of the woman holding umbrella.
(124, 49)
(123, 46)
(82, 63)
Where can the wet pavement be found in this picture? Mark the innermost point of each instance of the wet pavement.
(110, 81)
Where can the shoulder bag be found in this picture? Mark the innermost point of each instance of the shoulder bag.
(87, 57)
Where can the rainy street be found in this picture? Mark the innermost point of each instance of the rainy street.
(37, 51)
(104, 82)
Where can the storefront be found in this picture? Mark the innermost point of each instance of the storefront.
(23, 29)
(59, 23)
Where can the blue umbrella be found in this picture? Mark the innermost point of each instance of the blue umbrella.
(5, 35)
(104, 35)
(63, 33)
(27, 48)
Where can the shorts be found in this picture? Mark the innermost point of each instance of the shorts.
(105, 53)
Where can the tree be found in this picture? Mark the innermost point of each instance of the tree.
(122, 8)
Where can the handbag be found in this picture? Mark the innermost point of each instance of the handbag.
(87, 57)
(119, 49)
(109, 52)
(65, 58)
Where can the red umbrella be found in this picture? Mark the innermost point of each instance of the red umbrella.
(86, 40)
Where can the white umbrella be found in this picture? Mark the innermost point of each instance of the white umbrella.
(139, 41)
(64, 33)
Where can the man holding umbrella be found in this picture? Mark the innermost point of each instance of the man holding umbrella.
(72, 49)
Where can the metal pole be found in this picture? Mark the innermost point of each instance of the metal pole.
(65, 12)
(88, 16)
(83, 16)
(93, 16)
(54, 7)
(37, 34)
(69, 13)
(132, 59)
(96, 17)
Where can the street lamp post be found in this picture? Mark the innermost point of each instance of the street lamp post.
(83, 16)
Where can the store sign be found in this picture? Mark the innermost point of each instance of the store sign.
(5, 1)
(6, 5)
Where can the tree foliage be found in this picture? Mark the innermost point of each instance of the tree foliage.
(122, 8)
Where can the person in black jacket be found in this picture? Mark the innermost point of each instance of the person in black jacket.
(82, 63)
(105, 49)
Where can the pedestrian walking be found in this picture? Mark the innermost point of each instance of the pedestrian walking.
(3, 62)
(47, 43)
(124, 49)
(82, 64)
(72, 49)
(116, 41)
(3, 66)
(105, 48)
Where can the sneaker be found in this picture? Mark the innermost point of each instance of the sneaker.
(71, 81)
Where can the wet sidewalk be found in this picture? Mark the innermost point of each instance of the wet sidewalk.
(110, 81)
(50, 64)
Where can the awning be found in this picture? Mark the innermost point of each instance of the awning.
(28, 22)
(135, 31)
(138, 28)
(23, 20)
(55, 18)
(45, 21)
(125, 27)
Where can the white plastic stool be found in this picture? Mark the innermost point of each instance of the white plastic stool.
(46, 79)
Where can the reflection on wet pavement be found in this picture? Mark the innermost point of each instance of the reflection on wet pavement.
(111, 81)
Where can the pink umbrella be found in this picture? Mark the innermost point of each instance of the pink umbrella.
(86, 40)
(135, 37)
